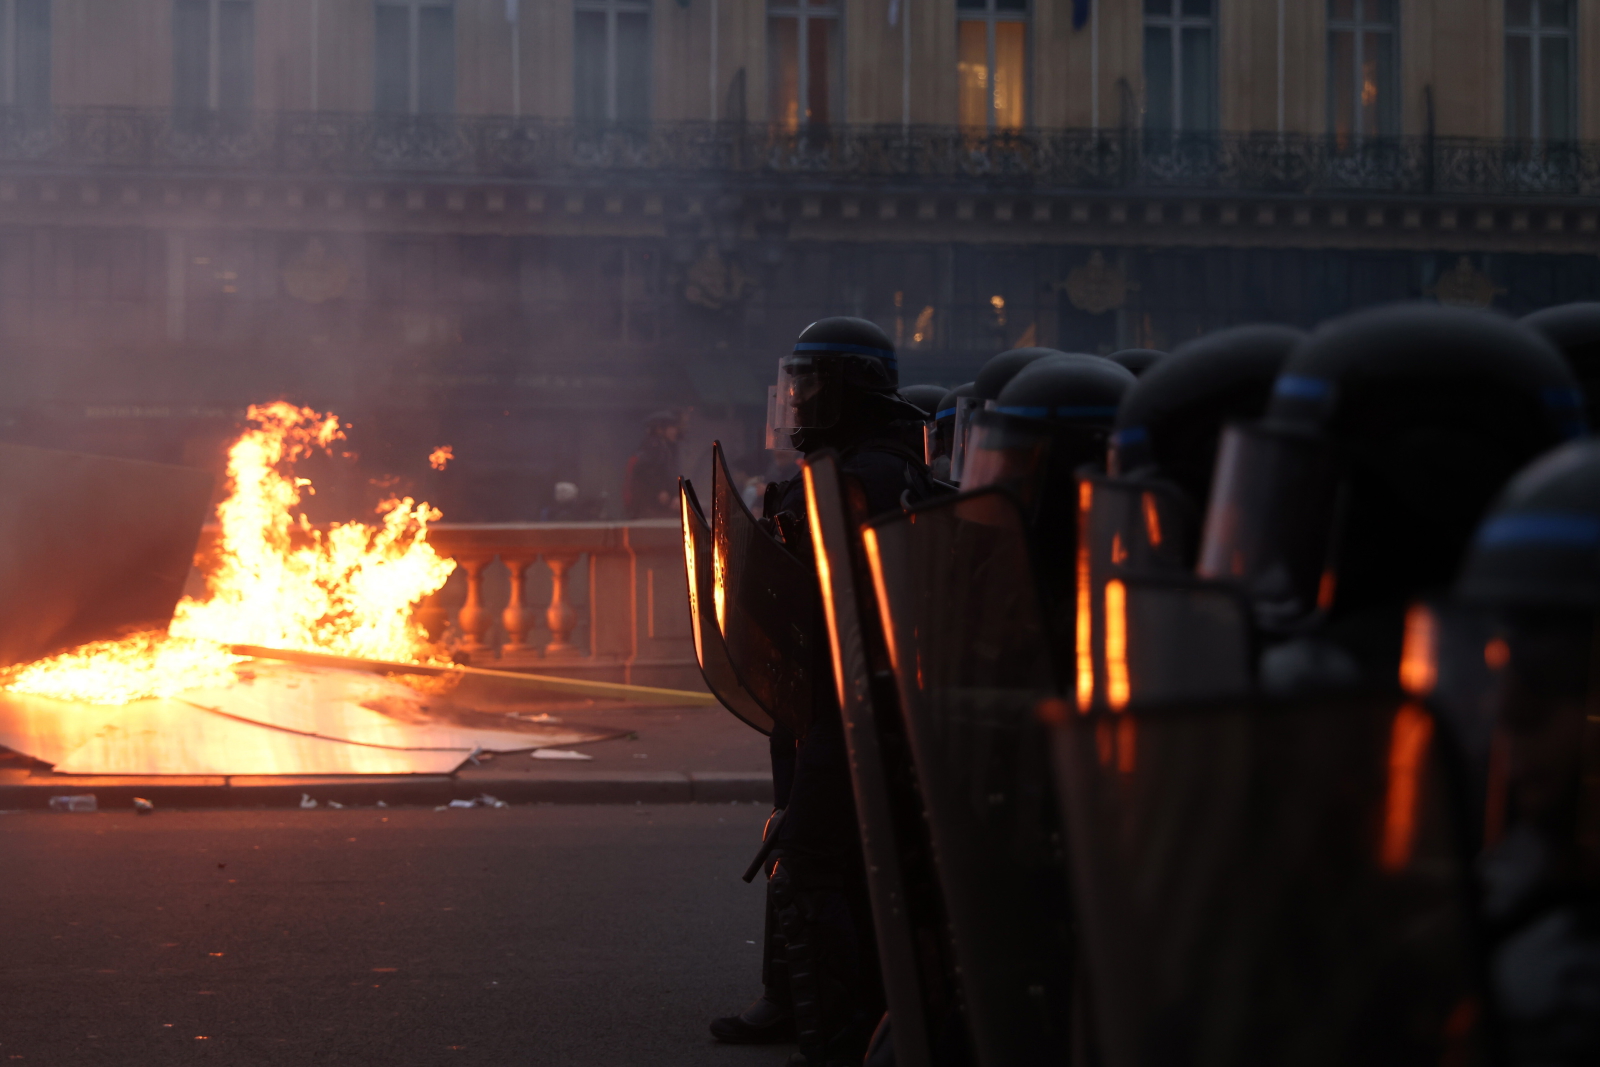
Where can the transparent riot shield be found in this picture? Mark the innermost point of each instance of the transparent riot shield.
(765, 604)
(888, 822)
(1264, 884)
(1140, 526)
(709, 649)
(970, 657)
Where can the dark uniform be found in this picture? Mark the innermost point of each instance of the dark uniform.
(836, 393)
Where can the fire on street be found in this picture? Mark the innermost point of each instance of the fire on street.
(533, 935)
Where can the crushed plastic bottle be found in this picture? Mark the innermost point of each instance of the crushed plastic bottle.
(81, 802)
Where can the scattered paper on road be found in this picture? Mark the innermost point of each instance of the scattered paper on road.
(559, 753)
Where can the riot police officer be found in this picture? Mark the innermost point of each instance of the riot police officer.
(941, 442)
(1388, 433)
(1535, 564)
(836, 390)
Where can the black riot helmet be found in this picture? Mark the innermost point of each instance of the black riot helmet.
(837, 385)
(1529, 593)
(1169, 423)
(1575, 330)
(1138, 360)
(1146, 515)
(1051, 418)
(1388, 433)
(925, 397)
(992, 377)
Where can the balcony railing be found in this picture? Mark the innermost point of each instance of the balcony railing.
(266, 144)
(605, 601)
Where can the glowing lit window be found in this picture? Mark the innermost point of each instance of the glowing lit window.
(1180, 66)
(1540, 58)
(992, 63)
(803, 64)
(1363, 69)
(415, 53)
(213, 54)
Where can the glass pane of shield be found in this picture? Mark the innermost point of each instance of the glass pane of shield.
(1270, 884)
(709, 648)
(969, 652)
(765, 602)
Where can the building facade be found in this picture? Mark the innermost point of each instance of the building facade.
(518, 226)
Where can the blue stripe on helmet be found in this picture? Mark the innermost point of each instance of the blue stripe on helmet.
(945, 414)
(1130, 435)
(885, 354)
(1067, 412)
(1301, 387)
(1557, 529)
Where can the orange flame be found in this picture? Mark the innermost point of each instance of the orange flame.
(278, 581)
(440, 457)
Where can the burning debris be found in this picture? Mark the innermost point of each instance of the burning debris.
(440, 457)
(277, 581)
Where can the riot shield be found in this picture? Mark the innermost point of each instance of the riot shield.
(709, 648)
(1140, 526)
(1266, 884)
(764, 601)
(887, 828)
(969, 652)
(91, 548)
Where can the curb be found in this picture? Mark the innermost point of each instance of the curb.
(285, 791)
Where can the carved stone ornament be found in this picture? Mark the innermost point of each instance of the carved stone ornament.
(1097, 287)
(1464, 286)
(315, 276)
(714, 282)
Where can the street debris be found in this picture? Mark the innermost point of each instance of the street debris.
(141, 806)
(335, 804)
(482, 800)
(559, 753)
(306, 801)
(80, 802)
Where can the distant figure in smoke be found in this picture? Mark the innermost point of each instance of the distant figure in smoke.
(650, 490)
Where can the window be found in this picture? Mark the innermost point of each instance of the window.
(25, 53)
(213, 55)
(612, 61)
(1180, 70)
(1363, 69)
(416, 57)
(803, 63)
(992, 62)
(1539, 70)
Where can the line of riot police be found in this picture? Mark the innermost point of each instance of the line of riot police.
(1238, 707)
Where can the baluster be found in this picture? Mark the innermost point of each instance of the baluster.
(472, 617)
(516, 617)
(559, 616)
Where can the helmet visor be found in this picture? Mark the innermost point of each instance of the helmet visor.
(808, 393)
(1273, 506)
(966, 408)
(1004, 451)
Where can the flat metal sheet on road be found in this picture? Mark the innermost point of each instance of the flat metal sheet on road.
(279, 719)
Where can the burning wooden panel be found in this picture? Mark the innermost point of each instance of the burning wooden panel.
(91, 548)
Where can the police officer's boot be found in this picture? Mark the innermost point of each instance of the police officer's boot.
(769, 1020)
(824, 960)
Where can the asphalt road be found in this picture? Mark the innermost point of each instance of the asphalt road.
(531, 935)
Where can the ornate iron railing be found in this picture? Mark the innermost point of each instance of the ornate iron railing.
(501, 147)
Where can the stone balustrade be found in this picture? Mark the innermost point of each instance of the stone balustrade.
(601, 600)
